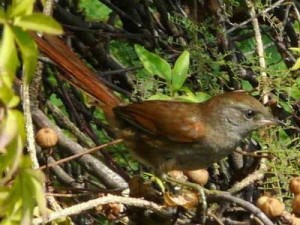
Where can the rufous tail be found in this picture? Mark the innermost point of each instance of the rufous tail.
(77, 73)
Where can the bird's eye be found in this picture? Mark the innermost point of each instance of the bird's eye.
(249, 114)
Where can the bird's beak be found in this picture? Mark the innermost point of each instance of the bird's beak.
(273, 121)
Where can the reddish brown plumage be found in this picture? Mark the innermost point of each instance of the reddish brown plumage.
(177, 121)
(77, 73)
(167, 135)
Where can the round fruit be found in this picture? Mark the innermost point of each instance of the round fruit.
(295, 185)
(296, 204)
(46, 138)
(272, 207)
(198, 176)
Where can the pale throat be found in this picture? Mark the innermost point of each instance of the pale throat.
(226, 135)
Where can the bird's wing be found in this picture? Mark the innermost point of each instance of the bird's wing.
(176, 121)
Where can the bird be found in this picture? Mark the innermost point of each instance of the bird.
(171, 135)
(167, 135)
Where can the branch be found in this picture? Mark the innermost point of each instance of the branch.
(76, 209)
(92, 165)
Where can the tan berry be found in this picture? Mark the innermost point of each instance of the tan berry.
(295, 185)
(272, 207)
(46, 138)
(296, 204)
(198, 176)
(261, 200)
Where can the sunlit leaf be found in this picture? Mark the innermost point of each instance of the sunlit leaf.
(8, 55)
(8, 128)
(7, 95)
(2, 16)
(29, 52)
(198, 97)
(20, 8)
(295, 49)
(296, 65)
(39, 22)
(13, 101)
(154, 64)
(159, 96)
(11, 158)
(29, 187)
(180, 70)
(38, 179)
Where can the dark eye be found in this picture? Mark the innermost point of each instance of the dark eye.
(249, 114)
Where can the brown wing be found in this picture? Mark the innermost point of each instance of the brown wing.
(177, 121)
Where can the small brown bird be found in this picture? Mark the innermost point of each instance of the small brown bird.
(167, 135)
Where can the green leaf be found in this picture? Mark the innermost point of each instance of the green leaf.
(34, 180)
(283, 136)
(180, 71)
(154, 64)
(95, 10)
(198, 97)
(295, 49)
(296, 65)
(286, 106)
(37, 180)
(20, 8)
(2, 16)
(11, 158)
(246, 85)
(159, 96)
(39, 22)
(7, 95)
(29, 52)
(8, 56)
(8, 129)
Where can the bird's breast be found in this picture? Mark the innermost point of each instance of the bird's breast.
(165, 155)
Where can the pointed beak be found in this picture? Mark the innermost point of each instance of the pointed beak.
(272, 121)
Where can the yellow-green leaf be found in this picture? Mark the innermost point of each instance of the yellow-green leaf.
(8, 128)
(159, 96)
(296, 65)
(8, 55)
(154, 64)
(29, 52)
(180, 70)
(39, 22)
(20, 8)
(7, 95)
(295, 49)
(2, 16)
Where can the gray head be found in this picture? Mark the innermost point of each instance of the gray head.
(239, 114)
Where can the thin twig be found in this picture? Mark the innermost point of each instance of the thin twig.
(250, 179)
(87, 151)
(259, 48)
(253, 154)
(249, 20)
